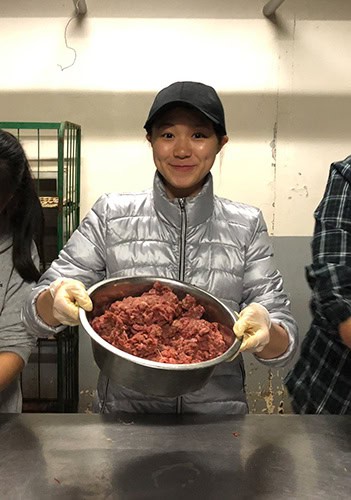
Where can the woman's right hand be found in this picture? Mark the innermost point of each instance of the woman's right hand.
(253, 327)
(68, 295)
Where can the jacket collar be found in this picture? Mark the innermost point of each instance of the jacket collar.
(198, 208)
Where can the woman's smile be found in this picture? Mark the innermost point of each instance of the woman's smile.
(183, 167)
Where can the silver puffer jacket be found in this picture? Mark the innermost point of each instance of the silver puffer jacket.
(216, 244)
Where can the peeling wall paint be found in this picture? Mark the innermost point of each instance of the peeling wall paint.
(269, 396)
(86, 399)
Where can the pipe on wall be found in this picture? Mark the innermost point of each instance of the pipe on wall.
(81, 7)
(271, 6)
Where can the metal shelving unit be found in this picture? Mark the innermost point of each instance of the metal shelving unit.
(50, 379)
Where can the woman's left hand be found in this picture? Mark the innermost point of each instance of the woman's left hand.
(253, 325)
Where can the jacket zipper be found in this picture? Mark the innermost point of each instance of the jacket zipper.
(181, 271)
(183, 227)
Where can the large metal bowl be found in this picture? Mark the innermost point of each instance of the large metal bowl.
(151, 377)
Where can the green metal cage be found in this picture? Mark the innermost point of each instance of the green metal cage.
(50, 379)
(53, 150)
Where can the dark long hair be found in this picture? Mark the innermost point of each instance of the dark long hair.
(21, 214)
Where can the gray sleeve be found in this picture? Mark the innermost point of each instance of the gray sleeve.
(263, 283)
(14, 336)
(83, 258)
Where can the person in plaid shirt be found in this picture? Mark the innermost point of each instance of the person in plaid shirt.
(320, 382)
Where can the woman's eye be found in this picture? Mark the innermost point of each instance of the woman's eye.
(199, 135)
(167, 135)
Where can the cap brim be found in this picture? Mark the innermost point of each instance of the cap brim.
(151, 119)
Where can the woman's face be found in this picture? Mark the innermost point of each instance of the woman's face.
(185, 146)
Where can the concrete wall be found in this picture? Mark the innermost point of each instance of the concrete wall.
(285, 85)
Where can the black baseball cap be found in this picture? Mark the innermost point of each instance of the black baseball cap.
(197, 95)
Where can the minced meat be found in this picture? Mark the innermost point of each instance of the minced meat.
(160, 327)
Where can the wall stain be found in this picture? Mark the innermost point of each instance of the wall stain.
(300, 191)
(270, 397)
(273, 146)
(86, 399)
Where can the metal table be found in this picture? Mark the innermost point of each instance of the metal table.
(81, 456)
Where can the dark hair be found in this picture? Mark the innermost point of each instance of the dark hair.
(21, 214)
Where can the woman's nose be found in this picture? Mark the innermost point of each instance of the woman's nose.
(182, 148)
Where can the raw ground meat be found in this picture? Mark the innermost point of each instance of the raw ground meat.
(160, 327)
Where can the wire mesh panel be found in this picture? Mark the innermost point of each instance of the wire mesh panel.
(50, 379)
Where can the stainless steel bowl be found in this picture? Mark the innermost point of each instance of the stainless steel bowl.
(151, 377)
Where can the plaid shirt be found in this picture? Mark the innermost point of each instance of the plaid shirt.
(320, 382)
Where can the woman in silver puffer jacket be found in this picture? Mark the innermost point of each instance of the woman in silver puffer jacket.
(180, 230)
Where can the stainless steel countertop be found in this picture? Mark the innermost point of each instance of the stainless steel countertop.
(78, 456)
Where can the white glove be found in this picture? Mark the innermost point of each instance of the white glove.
(69, 295)
(253, 326)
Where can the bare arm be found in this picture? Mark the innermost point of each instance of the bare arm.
(345, 332)
(278, 343)
(44, 307)
(11, 364)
